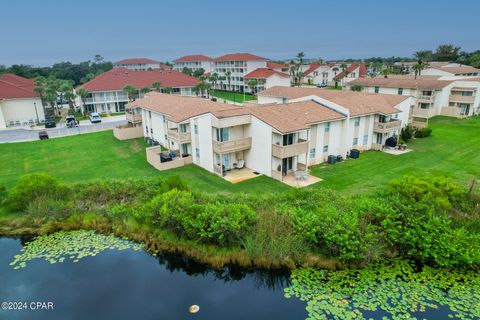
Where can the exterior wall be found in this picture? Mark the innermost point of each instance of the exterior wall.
(276, 80)
(139, 66)
(259, 156)
(203, 142)
(237, 78)
(194, 65)
(435, 72)
(21, 110)
(126, 132)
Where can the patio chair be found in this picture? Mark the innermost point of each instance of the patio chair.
(241, 164)
(298, 175)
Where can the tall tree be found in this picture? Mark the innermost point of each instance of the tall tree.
(198, 72)
(446, 52)
(300, 58)
(228, 75)
(130, 91)
(157, 86)
(83, 94)
(252, 84)
(213, 79)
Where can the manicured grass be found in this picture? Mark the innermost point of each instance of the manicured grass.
(333, 87)
(238, 96)
(452, 150)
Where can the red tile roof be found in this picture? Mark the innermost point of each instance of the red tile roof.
(362, 71)
(194, 57)
(275, 65)
(239, 57)
(118, 78)
(313, 67)
(263, 73)
(136, 61)
(15, 87)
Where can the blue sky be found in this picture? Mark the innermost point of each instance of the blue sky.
(41, 32)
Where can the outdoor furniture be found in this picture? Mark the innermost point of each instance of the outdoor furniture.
(165, 157)
(241, 164)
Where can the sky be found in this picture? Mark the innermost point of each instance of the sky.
(42, 32)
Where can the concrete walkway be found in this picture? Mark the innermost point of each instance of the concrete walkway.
(19, 134)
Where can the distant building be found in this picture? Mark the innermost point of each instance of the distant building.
(140, 64)
(449, 96)
(450, 69)
(266, 78)
(326, 74)
(19, 104)
(193, 62)
(106, 90)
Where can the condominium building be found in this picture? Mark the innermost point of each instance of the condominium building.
(450, 69)
(266, 78)
(327, 74)
(237, 65)
(19, 103)
(106, 90)
(291, 129)
(193, 62)
(140, 64)
(432, 95)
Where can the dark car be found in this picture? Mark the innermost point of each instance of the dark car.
(42, 135)
(50, 123)
(71, 121)
(322, 85)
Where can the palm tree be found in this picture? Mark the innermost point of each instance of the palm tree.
(385, 72)
(252, 84)
(228, 76)
(83, 94)
(156, 85)
(343, 66)
(293, 72)
(39, 89)
(335, 69)
(145, 90)
(299, 75)
(167, 90)
(213, 79)
(422, 61)
(130, 91)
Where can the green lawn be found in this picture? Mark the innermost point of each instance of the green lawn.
(452, 150)
(231, 96)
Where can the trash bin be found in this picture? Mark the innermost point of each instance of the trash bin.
(339, 158)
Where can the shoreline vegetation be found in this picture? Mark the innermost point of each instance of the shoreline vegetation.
(432, 221)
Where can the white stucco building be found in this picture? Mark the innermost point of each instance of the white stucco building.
(450, 69)
(289, 130)
(193, 62)
(450, 96)
(140, 64)
(106, 90)
(19, 104)
(266, 78)
(325, 74)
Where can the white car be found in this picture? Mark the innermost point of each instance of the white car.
(95, 117)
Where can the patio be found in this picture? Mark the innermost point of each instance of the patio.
(239, 175)
(300, 181)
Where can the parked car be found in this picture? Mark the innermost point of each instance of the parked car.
(323, 85)
(42, 135)
(50, 123)
(71, 121)
(95, 117)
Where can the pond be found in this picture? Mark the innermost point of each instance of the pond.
(131, 284)
(92, 276)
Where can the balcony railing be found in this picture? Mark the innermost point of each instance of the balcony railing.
(425, 98)
(133, 118)
(290, 150)
(232, 145)
(462, 99)
(423, 113)
(179, 136)
(386, 126)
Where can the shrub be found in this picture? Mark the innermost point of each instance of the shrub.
(33, 186)
(356, 87)
(407, 133)
(423, 133)
(49, 207)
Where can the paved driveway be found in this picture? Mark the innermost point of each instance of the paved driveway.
(27, 134)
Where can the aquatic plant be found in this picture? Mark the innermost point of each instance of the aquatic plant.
(72, 245)
(396, 289)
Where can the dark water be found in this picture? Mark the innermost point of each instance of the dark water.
(134, 285)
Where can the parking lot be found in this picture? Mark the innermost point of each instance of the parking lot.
(27, 134)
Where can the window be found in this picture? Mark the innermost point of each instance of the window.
(365, 139)
(451, 104)
(355, 141)
(424, 105)
(400, 91)
(467, 93)
(151, 130)
(327, 127)
(288, 139)
(146, 129)
(183, 127)
(377, 89)
(223, 134)
(357, 121)
(164, 119)
(150, 114)
(195, 129)
(312, 153)
(325, 148)
(197, 152)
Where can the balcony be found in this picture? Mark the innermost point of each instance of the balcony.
(290, 150)
(153, 157)
(461, 99)
(423, 113)
(425, 98)
(181, 137)
(232, 145)
(386, 126)
(133, 118)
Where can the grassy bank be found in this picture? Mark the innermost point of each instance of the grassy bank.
(234, 97)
